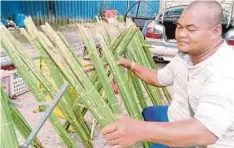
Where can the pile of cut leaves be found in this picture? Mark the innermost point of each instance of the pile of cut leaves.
(94, 89)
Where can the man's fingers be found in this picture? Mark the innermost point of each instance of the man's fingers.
(117, 146)
(109, 129)
(113, 142)
(119, 116)
(118, 62)
(121, 61)
(112, 136)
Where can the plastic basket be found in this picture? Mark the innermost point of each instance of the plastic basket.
(17, 85)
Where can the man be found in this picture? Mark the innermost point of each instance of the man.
(10, 23)
(202, 110)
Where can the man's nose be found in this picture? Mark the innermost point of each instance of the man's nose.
(181, 33)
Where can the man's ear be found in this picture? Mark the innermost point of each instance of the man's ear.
(217, 30)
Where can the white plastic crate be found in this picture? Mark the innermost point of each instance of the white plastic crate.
(17, 84)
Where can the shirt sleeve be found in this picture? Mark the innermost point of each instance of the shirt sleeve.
(166, 74)
(216, 106)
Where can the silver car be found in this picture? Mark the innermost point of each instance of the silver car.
(160, 32)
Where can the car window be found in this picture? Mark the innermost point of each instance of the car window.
(174, 12)
(143, 9)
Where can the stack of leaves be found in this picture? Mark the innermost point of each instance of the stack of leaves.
(95, 91)
(32, 76)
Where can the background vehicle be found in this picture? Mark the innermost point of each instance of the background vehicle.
(141, 12)
(160, 32)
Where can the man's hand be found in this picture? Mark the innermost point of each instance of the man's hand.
(123, 133)
(124, 62)
(148, 75)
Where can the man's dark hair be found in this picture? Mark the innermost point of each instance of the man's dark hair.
(10, 18)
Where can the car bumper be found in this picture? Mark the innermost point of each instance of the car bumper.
(165, 50)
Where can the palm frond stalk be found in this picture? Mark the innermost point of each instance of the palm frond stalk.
(8, 134)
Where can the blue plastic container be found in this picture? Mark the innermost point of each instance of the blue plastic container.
(19, 20)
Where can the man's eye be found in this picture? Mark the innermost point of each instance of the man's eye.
(192, 29)
(179, 27)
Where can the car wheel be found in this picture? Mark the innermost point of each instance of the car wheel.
(158, 59)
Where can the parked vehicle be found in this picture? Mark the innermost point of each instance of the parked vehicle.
(138, 18)
(160, 32)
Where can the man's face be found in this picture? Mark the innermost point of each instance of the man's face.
(193, 33)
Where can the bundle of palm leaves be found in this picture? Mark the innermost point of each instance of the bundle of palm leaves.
(94, 89)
